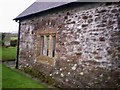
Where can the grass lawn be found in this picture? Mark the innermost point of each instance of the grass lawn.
(8, 53)
(14, 79)
(0, 76)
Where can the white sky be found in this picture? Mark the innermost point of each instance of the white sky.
(9, 9)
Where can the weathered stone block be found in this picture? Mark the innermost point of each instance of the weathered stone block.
(85, 17)
(114, 10)
(84, 25)
(102, 39)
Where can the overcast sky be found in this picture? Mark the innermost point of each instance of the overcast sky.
(9, 9)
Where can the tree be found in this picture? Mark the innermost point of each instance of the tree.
(3, 37)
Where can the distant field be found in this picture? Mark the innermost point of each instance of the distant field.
(14, 79)
(8, 53)
(13, 38)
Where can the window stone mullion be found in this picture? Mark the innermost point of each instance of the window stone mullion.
(50, 46)
(45, 46)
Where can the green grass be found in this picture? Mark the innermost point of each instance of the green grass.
(0, 76)
(14, 79)
(8, 53)
(0, 53)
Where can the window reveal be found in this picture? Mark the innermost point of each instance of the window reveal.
(48, 45)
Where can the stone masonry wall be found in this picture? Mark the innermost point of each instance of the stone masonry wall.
(87, 46)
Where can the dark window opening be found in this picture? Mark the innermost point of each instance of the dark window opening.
(42, 44)
(32, 32)
(47, 45)
(53, 46)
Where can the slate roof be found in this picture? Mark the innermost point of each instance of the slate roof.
(37, 7)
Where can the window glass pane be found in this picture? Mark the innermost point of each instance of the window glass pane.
(53, 46)
(42, 44)
(47, 45)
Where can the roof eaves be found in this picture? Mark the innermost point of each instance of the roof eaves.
(26, 15)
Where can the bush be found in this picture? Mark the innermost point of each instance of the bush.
(13, 43)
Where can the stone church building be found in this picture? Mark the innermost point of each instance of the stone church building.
(71, 44)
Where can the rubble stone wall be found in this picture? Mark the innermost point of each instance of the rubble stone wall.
(87, 46)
